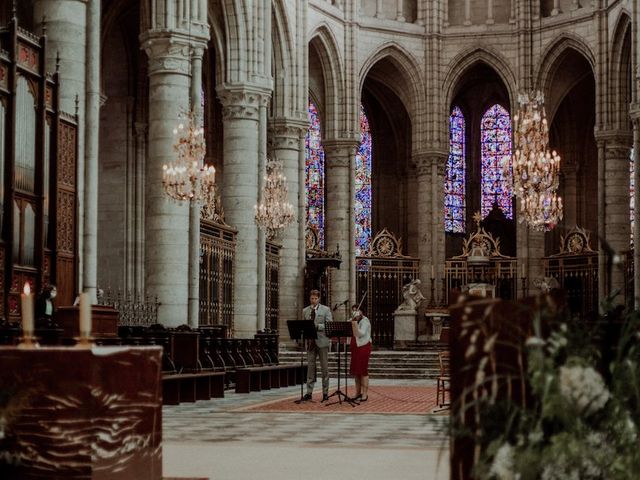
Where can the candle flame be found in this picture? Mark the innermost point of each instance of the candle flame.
(27, 288)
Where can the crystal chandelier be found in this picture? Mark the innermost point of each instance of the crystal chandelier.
(274, 212)
(542, 211)
(536, 170)
(189, 178)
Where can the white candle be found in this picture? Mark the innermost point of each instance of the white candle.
(27, 310)
(85, 315)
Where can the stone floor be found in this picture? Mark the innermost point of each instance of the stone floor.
(212, 439)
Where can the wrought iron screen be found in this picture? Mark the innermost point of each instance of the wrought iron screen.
(272, 285)
(217, 264)
(381, 276)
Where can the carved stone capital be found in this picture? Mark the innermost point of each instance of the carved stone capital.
(285, 133)
(167, 54)
(615, 141)
(243, 101)
(340, 148)
(141, 129)
(424, 161)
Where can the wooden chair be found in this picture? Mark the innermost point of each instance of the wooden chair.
(443, 384)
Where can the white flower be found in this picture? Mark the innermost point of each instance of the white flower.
(584, 388)
(502, 466)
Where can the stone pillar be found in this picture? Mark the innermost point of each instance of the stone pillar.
(490, 19)
(66, 22)
(339, 220)
(438, 165)
(467, 12)
(379, 12)
(141, 130)
(92, 129)
(616, 147)
(399, 15)
(424, 219)
(556, 8)
(286, 139)
(166, 222)
(241, 116)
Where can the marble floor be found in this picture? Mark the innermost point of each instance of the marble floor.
(212, 439)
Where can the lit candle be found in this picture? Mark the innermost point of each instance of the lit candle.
(85, 315)
(27, 311)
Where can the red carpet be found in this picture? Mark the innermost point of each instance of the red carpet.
(382, 399)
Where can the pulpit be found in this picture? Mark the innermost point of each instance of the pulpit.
(80, 413)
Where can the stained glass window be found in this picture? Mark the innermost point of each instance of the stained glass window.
(495, 135)
(363, 187)
(454, 184)
(314, 171)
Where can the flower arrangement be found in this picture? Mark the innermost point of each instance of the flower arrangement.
(576, 414)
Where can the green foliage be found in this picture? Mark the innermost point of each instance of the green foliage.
(583, 419)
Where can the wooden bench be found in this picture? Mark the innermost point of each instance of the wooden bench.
(190, 387)
(255, 379)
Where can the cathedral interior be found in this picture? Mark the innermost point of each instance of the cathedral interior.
(195, 168)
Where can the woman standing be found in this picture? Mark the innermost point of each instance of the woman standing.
(360, 352)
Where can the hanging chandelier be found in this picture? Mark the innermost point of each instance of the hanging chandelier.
(274, 212)
(189, 178)
(542, 211)
(535, 170)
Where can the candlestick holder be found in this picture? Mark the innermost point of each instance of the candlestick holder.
(28, 340)
(85, 340)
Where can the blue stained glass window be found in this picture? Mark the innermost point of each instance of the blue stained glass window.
(495, 135)
(454, 185)
(314, 174)
(363, 187)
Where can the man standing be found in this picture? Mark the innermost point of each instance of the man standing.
(320, 314)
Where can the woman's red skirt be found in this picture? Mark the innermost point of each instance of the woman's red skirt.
(359, 358)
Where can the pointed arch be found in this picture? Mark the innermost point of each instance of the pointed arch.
(410, 87)
(620, 72)
(466, 60)
(283, 64)
(324, 43)
(551, 61)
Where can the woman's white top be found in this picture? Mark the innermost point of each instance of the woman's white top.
(363, 332)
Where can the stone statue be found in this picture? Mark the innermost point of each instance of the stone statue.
(412, 296)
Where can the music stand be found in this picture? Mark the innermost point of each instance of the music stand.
(302, 330)
(340, 330)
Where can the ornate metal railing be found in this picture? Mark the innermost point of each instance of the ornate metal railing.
(272, 285)
(217, 265)
(134, 309)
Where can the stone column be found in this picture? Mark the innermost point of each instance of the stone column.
(166, 222)
(399, 15)
(424, 219)
(467, 12)
(379, 12)
(241, 114)
(616, 147)
(137, 284)
(92, 128)
(438, 165)
(285, 142)
(556, 8)
(490, 19)
(339, 221)
(66, 22)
